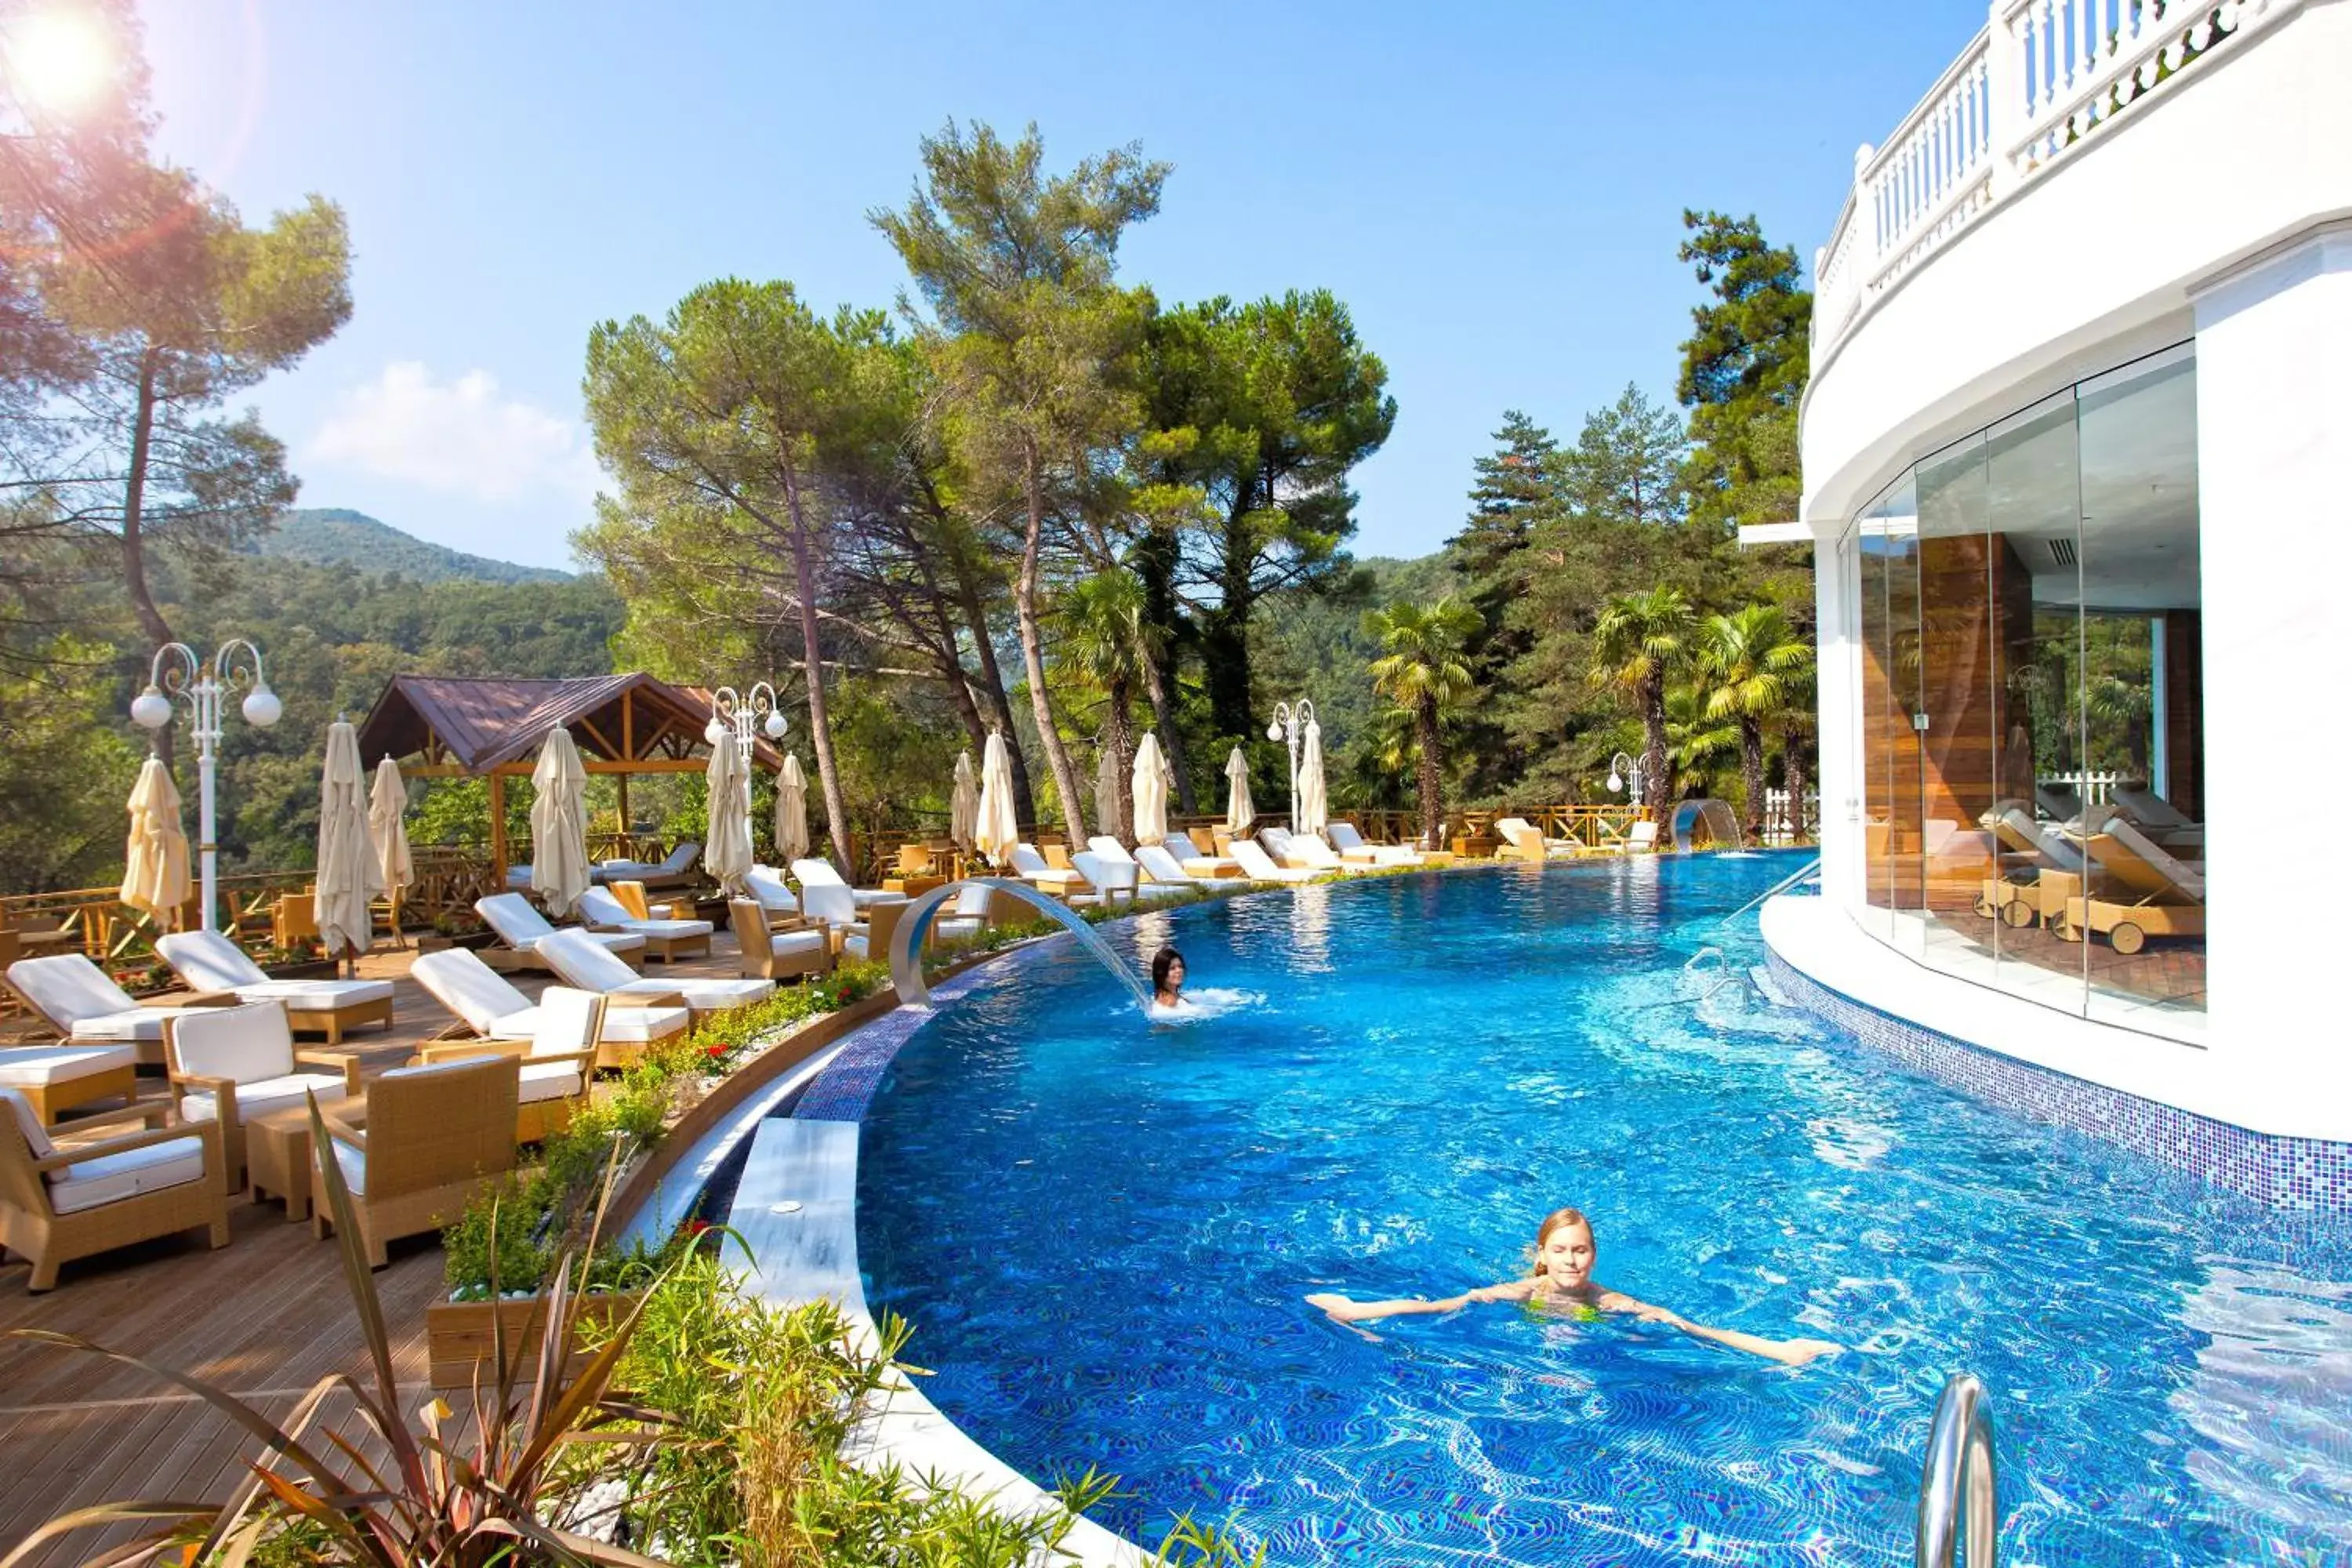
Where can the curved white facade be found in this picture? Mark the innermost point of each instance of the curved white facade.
(2110, 251)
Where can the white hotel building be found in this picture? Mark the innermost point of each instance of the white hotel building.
(2078, 474)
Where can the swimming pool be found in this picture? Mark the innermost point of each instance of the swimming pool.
(1101, 1230)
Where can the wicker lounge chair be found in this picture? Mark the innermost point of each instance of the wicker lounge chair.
(1258, 867)
(557, 1064)
(869, 936)
(232, 1064)
(208, 960)
(74, 996)
(578, 959)
(1523, 840)
(435, 1136)
(669, 941)
(770, 954)
(519, 924)
(59, 1203)
(675, 869)
(56, 1078)
(487, 1003)
(773, 894)
(2147, 892)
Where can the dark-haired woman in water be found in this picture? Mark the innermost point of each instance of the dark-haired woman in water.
(1168, 984)
(1562, 1281)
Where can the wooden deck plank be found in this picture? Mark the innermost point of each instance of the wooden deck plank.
(265, 1316)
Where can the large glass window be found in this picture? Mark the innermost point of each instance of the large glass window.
(2031, 677)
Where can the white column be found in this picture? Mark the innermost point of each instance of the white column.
(2273, 445)
(1843, 877)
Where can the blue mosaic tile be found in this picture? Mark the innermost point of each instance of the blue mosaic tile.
(2302, 1175)
(844, 1091)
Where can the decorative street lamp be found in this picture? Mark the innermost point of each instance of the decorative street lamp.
(176, 672)
(1624, 770)
(1290, 721)
(748, 715)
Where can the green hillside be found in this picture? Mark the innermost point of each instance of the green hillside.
(333, 536)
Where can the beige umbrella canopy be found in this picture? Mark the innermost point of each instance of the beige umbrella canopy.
(998, 829)
(350, 877)
(558, 823)
(963, 808)
(155, 858)
(1313, 807)
(726, 851)
(388, 830)
(1240, 811)
(1150, 791)
(791, 811)
(1108, 787)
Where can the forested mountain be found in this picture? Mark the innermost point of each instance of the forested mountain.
(333, 536)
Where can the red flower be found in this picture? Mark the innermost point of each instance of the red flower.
(714, 1051)
(696, 1227)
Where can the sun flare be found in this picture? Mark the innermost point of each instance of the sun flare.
(59, 58)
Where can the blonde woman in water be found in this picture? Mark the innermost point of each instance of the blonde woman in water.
(1562, 1282)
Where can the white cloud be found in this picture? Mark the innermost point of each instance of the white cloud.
(459, 437)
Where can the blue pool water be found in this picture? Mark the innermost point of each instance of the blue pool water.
(1101, 1230)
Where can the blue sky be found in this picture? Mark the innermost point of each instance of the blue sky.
(1495, 192)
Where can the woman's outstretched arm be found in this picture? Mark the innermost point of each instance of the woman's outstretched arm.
(1343, 1311)
(1788, 1353)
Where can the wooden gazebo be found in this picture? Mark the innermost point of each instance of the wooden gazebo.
(623, 725)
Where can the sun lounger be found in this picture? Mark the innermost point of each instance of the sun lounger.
(1165, 870)
(2057, 802)
(1523, 840)
(208, 960)
(579, 961)
(487, 1003)
(1198, 861)
(975, 906)
(2148, 893)
(1310, 850)
(2150, 810)
(556, 1065)
(519, 924)
(1258, 867)
(771, 893)
(1031, 868)
(668, 941)
(55, 1078)
(2044, 870)
(1352, 845)
(1642, 838)
(675, 870)
(78, 1001)
(59, 1203)
(770, 954)
(819, 873)
(435, 1136)
(868, 936)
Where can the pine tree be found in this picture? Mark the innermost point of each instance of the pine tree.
(1743, 370)
(1517, 493)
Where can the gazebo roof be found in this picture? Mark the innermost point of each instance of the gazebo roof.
(627, 724)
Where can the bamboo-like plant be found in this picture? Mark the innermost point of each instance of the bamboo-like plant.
(384, 1491)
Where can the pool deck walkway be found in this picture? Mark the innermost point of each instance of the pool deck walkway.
(264, 1318)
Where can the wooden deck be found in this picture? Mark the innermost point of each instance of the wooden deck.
(265, 1317)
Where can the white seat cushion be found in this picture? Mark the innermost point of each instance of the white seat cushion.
(705, 995)
(853, 945)
(670, 931)
(791, 941)
(45, 1065)
(112, 1177)
(867, 897)
(547, 1080)
(249, 1044)
(623, 1026)
(265, 1095)
(318, 995)
(354, 1161)
(958, 926)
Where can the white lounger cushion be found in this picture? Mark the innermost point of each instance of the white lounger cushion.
(112, 1177)
(1162, 868)
(1030, 866)
(209, 960)
(604, 909)
(816, 873)
(263, 1096)
(1255, 866)
(495, 1010)
(520, 926)
(676, 865)
(1110, 849)
(318, 995)
(575, 956)
(70, 988)
(766, 886)
(45, 1065)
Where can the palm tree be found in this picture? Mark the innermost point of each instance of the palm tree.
(1422, 668)
(1698, 742)
(1640, 642)
(1104, 644)
(1753, 664)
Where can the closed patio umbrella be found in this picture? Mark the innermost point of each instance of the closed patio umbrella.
(1150, 791)
(388, 831)
(155, 857)
(1240, 812)
(348, 874)
(558, 823)
(1108, 787)
(963, 808)
(726, 852)
(997, 830)
(1312, 809)
(791, 811)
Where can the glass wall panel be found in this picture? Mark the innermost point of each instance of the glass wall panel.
(1956, 719)
(1885, 539)
(2142, 921)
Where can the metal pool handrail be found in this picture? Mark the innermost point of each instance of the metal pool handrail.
(1959, 1475)
(1782, 886)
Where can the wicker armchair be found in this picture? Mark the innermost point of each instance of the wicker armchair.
(59, 1203)
(232, 1064)
(558, 1062)
(776, 953)
(435, 1136)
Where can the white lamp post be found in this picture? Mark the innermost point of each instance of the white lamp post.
(1290, 721)
(1624, 770)
(176, 672)
(749, 715)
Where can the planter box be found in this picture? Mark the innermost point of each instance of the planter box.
(459, 1335)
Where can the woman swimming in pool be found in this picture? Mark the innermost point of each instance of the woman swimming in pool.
(1168, 984)
(1562, 1282)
